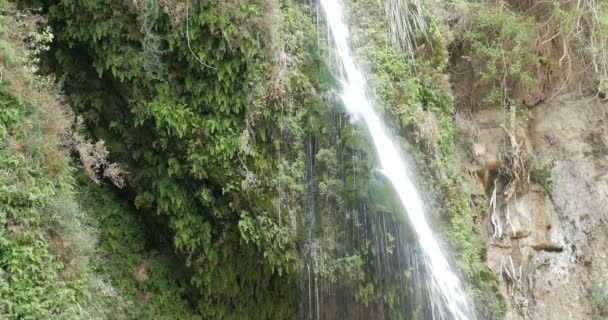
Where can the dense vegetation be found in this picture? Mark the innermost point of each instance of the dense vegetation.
(68, 247)
(239, 162)
(234, 149)
(188, 97)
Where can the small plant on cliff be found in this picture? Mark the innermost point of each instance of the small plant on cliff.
(603, 89)
(599, 300)
(542, 176)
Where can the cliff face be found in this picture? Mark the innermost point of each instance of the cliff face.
(552, 253)
(574, 133)
(532, 111)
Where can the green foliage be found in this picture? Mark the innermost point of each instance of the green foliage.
(55, 256)
(542, 176)
(603, 89)
(30, 273)
(599, 300)
(189, 98)
(146, 284)
(582, 29)
(222, 113)
(503, 42)
(513, 45)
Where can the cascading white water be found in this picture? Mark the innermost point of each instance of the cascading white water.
(448, 298)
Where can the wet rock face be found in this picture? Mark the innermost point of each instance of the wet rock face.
(554, 247)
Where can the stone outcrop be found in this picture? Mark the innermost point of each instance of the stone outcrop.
(553, 249)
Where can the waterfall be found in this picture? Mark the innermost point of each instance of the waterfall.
(446, 293)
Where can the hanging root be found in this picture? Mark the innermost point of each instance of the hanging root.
(495, 214)
(495, 217)
(516, 163)
(508, 218)
(511, 275)
(514, 176)
(515, 286)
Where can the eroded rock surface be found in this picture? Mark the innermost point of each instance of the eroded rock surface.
(554, 246)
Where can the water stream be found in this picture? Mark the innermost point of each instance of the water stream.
(447, 296)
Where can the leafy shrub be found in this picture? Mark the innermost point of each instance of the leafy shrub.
(503, 45)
